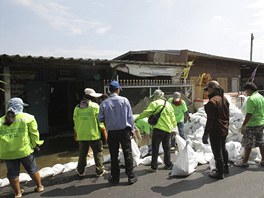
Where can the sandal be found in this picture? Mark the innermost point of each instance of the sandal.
(20, 194)
(39, 189)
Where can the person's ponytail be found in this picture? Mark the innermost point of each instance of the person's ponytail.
(9, 118)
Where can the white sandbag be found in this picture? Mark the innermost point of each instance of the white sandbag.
(208, 156)
(161, 151)
(144, 150)
(24, 177)
(244, 106)
(203, 121)
(200, 157)
(180, 142)
(147, 160)
(107, 158)
(70, 166)
(5, 182)
(46, 172)
(135, 153)
(58, 169)
(185, 163)
(233, 149)
(90, 162)
(212, 164)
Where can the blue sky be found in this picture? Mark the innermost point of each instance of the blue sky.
(108, 28)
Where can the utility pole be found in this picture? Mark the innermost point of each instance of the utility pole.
(251, 46)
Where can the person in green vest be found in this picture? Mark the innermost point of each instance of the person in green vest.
(19, 137)
(161, 130)
(253, 125)
(180, 112)
(87, 131)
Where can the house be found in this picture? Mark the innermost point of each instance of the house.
(53, 86)
(229, 72)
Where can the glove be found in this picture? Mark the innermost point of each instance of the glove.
(243, 129)
(205, 138)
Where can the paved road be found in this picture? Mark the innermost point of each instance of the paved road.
(240, 183)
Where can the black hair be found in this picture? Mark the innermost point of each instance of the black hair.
(112, 89)
(251, 86)
(9, 118)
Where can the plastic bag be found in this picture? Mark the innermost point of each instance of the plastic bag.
(185, 163)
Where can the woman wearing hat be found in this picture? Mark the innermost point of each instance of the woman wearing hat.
(19, 137)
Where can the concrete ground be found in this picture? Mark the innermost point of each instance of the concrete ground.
(240, 183)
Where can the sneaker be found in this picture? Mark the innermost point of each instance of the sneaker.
(102, 173)
(151, 170)
(167, 167)
(241, 164)
(132, 180)
(216, 175)
(80, 174)
(112, 180)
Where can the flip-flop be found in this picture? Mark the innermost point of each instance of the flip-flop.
(19, 195)
(39, 189)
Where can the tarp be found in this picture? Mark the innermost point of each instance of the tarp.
(148, 70)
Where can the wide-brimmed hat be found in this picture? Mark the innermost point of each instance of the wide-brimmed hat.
(91, 92)
(212, 84)
(157, 94)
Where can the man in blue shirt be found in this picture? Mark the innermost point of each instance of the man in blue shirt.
(117, 115)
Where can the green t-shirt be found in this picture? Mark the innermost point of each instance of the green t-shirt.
(179, 110)
(20, 138)
(86, 122)
(255, 106)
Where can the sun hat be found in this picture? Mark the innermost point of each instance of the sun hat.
(91, 92)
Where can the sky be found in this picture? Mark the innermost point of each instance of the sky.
(105, 29)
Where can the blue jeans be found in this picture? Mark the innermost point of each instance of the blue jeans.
(180, 126)
(181, 129)
(13, 166)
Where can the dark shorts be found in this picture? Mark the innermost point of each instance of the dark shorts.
(253, 137)
(13, 166)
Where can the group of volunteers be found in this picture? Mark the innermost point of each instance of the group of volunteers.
(110, 118)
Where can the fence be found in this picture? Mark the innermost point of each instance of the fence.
(138, 91)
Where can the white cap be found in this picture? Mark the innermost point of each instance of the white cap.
(91, 92)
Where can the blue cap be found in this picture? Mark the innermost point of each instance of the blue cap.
(114, 85)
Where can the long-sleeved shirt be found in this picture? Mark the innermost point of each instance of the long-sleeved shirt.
(167, 119)
(85, 120)
(20, 138)
(116, 113)
(217, 111)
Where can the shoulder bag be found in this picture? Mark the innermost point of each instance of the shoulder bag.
(153, 119)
